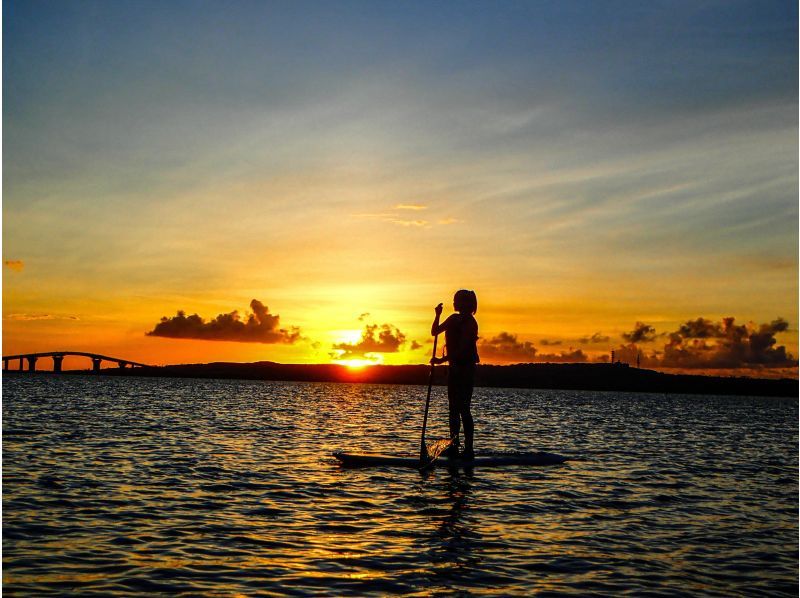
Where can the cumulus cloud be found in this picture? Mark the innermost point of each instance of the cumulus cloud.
(374, 339)
(697, 344)
(595, 339)
(705, 344)
(700, 328)
(363, 316)
(14, 265)
(641, 333)
(506, 347)
(547, 342)
(415, 345)
(257, 327)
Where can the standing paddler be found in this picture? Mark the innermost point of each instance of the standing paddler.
(461, 353)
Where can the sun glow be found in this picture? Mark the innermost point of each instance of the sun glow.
(356, 364)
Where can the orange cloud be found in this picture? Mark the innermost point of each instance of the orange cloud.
(506, 347)
(15, 265)
(32, 317)
(389, 339)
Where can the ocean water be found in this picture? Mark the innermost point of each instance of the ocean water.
(125, 486)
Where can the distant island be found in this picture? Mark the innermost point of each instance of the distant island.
(571, 376)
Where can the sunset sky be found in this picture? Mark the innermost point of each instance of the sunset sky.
(583, 166)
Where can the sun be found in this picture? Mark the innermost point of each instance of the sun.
(356, 364)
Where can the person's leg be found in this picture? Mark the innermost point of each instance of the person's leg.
(454, 416)
(466, 418)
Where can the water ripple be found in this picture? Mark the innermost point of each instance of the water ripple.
(203, 487)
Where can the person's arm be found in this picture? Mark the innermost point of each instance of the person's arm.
(437, 328)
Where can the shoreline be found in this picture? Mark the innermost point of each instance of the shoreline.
(550, 376)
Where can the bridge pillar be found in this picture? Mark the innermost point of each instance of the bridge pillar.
(32, 364)
(21, 360)
(122, 364)
(57, 359)
(5, 364)
(96, 364)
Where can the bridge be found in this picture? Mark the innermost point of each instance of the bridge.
(58, 358)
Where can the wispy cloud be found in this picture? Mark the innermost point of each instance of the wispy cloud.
(547, 342)
(33, 317)
(396, 215)
(596, 338)
(394, 219)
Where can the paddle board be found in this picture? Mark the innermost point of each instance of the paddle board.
(378, 460)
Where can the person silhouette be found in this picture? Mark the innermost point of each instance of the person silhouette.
(461, 353)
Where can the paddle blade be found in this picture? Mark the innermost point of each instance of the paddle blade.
(437, 447)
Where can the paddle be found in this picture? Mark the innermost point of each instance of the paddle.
(423, 450)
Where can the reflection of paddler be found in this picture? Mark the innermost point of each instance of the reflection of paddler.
(461, 337)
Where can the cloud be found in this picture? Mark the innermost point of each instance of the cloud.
(258, 327)
(705, 344)
(698, 344)
(700, 328)
(576, 356)
(642, 333)
(394, 219)
(363, 316)
(33, 317)
(14, 265)
(374, 339)
(595, 339)
(506, 347)
(415, 345)
(547, 342)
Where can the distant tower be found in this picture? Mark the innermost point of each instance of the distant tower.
(612, 355)
(638, 355)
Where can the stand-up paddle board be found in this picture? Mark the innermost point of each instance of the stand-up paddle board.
(378, 460)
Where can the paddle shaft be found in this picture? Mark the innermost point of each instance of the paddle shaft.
(423, 450)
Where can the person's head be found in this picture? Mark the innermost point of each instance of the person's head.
(465, 302)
